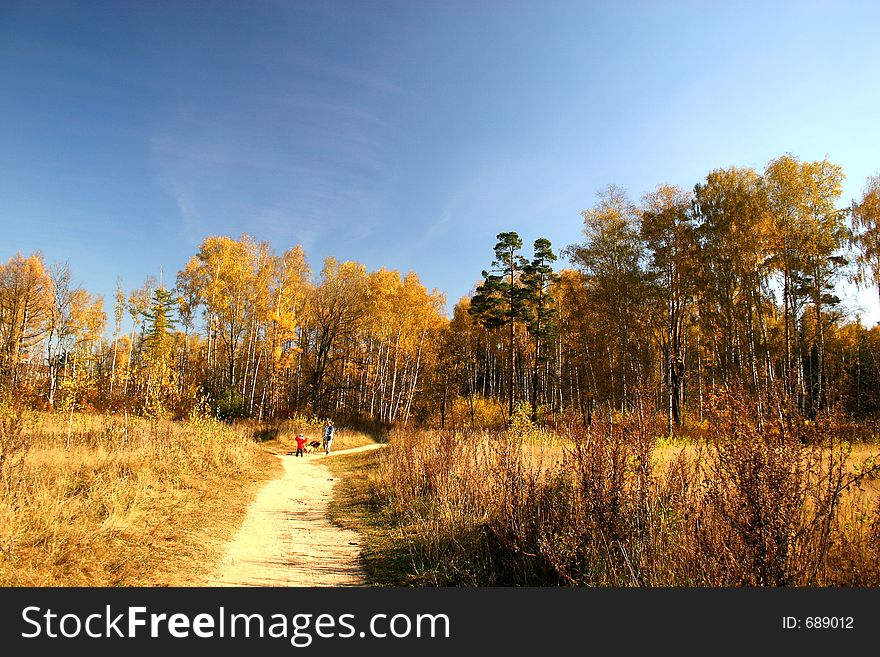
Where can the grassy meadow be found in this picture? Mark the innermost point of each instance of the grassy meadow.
(105, 500)
(101, 500)
(795, 504)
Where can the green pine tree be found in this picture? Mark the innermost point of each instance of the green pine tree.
(538, 279)
(160, 323)
(160, 384)
(500, 301)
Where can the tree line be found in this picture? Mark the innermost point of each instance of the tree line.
(731, 283)
(244, 330)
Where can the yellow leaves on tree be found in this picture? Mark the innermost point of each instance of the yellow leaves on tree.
(26, 298)
(866, 217)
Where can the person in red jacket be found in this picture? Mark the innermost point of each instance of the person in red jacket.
(300, 444)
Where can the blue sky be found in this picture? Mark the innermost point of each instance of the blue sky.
(403, 134)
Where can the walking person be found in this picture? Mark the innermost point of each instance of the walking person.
(300, 444)
(328, 435)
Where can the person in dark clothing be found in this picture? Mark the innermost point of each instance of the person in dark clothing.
(328, 435)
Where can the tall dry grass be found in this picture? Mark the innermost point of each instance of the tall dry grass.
(107, 501)
(763, 501)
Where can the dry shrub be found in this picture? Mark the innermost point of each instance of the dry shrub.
(779, 496)
(14, 442)
(769, 500)
(440, 487)
(598, 506)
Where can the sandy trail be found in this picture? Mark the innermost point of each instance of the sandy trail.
(286, 538)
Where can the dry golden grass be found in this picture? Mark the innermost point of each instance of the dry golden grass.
(617, 507)
(103, 501)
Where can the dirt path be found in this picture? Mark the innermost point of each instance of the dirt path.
(286, 538)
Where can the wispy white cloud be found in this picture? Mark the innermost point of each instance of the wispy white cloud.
(308, 168)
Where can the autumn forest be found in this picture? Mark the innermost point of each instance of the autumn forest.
(690, 403)
(732, 283)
